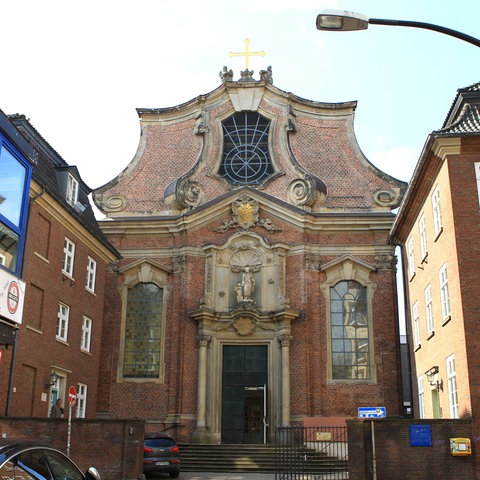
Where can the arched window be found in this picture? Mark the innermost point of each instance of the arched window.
(246, 159)
(349, 331)
(143, 328)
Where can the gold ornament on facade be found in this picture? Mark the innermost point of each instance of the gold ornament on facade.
(245, 214)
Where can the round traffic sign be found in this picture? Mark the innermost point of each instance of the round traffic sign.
(72, 396)
(13, 297)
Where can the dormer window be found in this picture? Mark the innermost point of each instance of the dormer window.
(72, 190)
(246, 158)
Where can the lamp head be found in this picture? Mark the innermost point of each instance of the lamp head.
(341, 21)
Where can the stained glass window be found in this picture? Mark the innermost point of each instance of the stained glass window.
(349, 331)
(143, 331)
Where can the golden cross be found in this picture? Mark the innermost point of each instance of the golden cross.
(247, 53)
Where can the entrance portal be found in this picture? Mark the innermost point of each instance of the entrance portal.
(244, 380)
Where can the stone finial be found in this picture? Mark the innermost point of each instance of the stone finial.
(226, 75)
(266, 75)
(246, 76)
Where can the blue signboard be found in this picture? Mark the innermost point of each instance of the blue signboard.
(420, 435)
(372, 412)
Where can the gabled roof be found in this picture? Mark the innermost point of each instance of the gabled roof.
(463, 120)
(464, 114)
(45, 173)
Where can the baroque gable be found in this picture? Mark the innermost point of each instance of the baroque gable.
(248, 133)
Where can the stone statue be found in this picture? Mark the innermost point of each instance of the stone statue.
(246, 287)
(226, 75)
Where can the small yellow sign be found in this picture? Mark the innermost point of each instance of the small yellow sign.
(460, 447)
(324, 436)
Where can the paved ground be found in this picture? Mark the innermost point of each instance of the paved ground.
(226, 476)
(221, 476)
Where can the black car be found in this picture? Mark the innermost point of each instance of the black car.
(161, 454)
(20, 459)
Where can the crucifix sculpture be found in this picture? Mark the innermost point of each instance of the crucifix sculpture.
(247, 53)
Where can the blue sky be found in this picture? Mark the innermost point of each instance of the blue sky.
(78, 69)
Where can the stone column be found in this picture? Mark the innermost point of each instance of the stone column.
(285, 354)
(200, 435)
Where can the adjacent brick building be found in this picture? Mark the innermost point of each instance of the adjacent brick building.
(65, 261)
(438, 226)
(256, 286)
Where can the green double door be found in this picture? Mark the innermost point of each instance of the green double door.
(244, 381)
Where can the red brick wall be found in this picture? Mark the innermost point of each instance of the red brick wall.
(37, 347)
(114, 447)
(395, 459)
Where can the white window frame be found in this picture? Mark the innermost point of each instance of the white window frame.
(421, 397)
(444, 293)
(411, 258)
(72, 190)
(86, 339)
(477, 176)
(91, 274)
(81, 400)
(416, 325)
(62, 321)
(437, 212)
(452, 387)
(423, 237)
(429, 309)
(68, 257)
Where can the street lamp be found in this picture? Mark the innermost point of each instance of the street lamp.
(343, 21)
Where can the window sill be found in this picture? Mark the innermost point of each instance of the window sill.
(438, 234)
(62, 341)
(418, 347)
(41, 257)
(446, 320)
(412, 276)
(66, 276)
(431, 335)
(91, 291)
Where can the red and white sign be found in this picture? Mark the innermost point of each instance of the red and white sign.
(72, 396)
(12, 295)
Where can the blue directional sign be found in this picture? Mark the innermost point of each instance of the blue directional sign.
(372, 412)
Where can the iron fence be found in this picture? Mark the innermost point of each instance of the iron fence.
(311, 453)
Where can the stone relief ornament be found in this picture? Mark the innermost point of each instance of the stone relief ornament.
(189, 193)
(244, 326)
(114, 203)
(307, 191)
(300, 192)
(179, 263)
(201, 125)
(245, 214)
(386, 262)
(387, 197)
(312, 262)
(291, 125)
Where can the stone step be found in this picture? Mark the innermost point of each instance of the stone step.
(251, 458)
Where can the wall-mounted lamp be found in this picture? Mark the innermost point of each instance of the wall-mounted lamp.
(53, 381)
(433, 380)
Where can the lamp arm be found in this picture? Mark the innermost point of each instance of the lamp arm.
(427, 26)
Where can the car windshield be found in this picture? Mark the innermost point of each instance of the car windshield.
(42, 465)
(159, 442)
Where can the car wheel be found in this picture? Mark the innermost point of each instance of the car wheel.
(175, 474)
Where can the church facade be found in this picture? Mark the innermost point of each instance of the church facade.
(256, 286)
